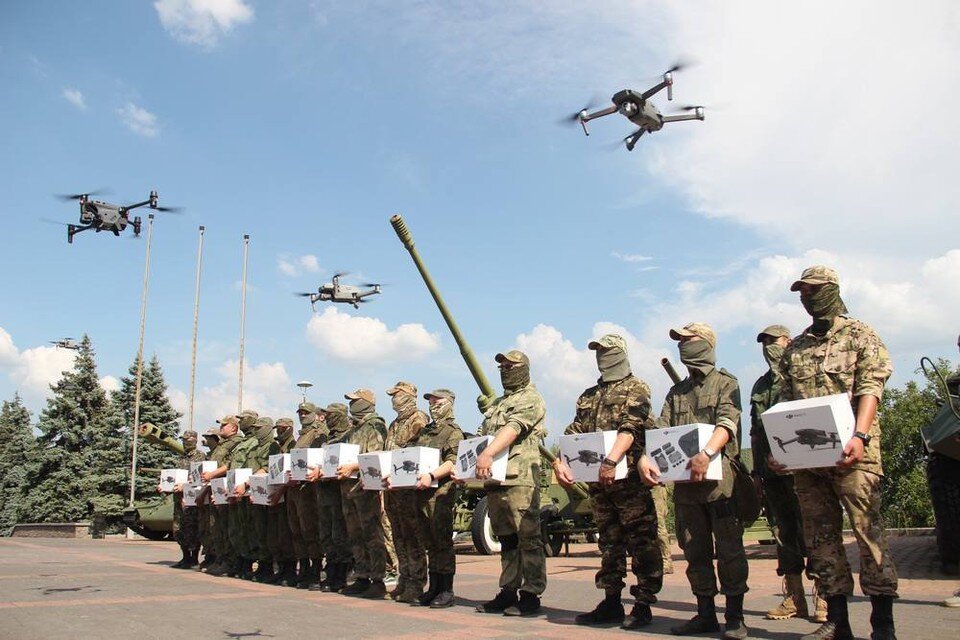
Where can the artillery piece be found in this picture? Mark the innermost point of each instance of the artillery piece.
(153, 518)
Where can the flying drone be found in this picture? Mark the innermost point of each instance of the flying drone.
(336, 292)
(104, 216)
(637, 108)
(66, 343)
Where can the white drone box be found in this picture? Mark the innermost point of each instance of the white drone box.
(218, 490)
(809, 433)
(583, 453)
(237, 477)
(278, 468)
(410, 463)
(169, 478)
(336, 455)
(261, 490)
(374, 467)
(197, 468)
(467, 452)
(300, 459)
(671, 448)
(191, 495)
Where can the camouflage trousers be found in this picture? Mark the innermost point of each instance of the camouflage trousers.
(240, 529)
(186, 524)
(333, 524)
(783, 512)
(279, 540)
(221, 532)
(392, 562)
(362, 511)
(401, 508)
(304, 519)
(707, 528)
(627, 521)
(207, 532)
(258, 522)
(434, 511)
(824, 495)
(515, 519)
(662, 502)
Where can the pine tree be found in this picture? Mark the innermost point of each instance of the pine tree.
(17, 460)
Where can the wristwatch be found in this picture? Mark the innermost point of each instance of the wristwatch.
(709, 452)
(866, 437)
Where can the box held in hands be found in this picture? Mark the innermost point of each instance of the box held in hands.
(301, 459)
(260, 490)
(467, 452)
(198, 468)
(584, 452)
(335, 455)
(671, 448)
(410, 463)
(218, 491)
(170, 478)
(374, 467)
(809, 433)
(278, 468)
(237, 477)
(191, 495)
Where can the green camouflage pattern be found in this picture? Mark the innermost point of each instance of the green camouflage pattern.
(661, 502)
(303, 509)
(186, 522)
(240, 517)
(515, 518)
(404, 428)
(362, 514)
(523, 411)
(279, 536)
(708, 530)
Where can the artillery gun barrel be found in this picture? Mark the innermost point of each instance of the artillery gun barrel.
(154, 434)
(475, 370)
(668, 367)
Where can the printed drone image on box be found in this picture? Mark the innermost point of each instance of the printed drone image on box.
(374, 467)
(410, 463)
(300, 459)
(672, 447)
(260, 490)
(170, 478)
(278, 468)
(335, 455)
(467, 452)
(583, 453)
(237, 477)
(191, 495)
(197, 468)
(218, 491)
(809, 433)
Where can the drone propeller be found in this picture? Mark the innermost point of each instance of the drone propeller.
(592, 104)
(372, 284)
(168, 209)
(56, 222)
(340, 274)
(301, 294)
(77, 196)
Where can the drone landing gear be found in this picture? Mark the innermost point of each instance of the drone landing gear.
(631, 140)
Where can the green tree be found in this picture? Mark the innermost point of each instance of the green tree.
(17, 459)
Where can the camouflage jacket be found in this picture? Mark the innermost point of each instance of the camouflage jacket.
(850, 358)
(260, 455)
(283, 446)
(446, 437)
(243, 454)
(711, 399)
(310, 437)
(370, 434)
(405, 429)
(223, 454)
(765, 394)
(523, 411)
(622, 406)
(183, 462)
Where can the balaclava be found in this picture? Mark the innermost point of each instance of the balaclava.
(698, 356)
(360, 408)
(613, 364)
(823, 304)
(337, 420)
(403, 403)
(441, 410)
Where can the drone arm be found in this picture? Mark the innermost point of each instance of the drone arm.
(680, 118)
(654, 90)
(136, 206)
(598, 114)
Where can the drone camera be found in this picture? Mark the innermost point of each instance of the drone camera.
(629, 108)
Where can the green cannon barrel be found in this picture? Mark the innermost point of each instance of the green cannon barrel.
(154, 434)
(475, 370)
(668, 367)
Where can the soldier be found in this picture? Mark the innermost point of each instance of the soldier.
(302, 506)
(401, 505)
(517, 421)
(211, 440)
(279, 538)
(706, 514)
(230, 439)
(240, 526)
(623, 510)
(837, 354)
(186, 522)
(433, 507)
(780, 500)
(259, 463)
(662, 501)
(362, 509)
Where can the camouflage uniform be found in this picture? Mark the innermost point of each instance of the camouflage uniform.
(279, 538)
(333, 525)
(223, 454)
(240, 525)
(205, 508)
(302, 506)
(661, 501)
(258, 461)
(186, 522)
(624, 511)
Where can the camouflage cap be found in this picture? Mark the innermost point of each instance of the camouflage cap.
(228, 420)
(284, 422)
(445, 394)
(774, 331)
(362, 394)
(405, 387)
(609, 341)
(189, 434)
(335, 407)
(264, 422)
(212, 432)
(695, 329)
(514, 356)
(307, 407)
(817, 274)
(248, 413)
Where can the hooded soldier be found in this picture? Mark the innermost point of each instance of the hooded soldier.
(303, 511)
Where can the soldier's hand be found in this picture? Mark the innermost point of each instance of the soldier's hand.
(563, 472)
(698, 466)
(775, 466)
(159, 489)
(239, 490)
(178, 488)
(207, 476)
(314, 473)
(649, 474)
(607, 474)
(852, 453)
(424, 481)
(484, 462)
(386, 483)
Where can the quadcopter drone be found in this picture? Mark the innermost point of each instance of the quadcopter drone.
(104, 216)
(637, 108)
(336, 292)
(812, 438)
(66, 343)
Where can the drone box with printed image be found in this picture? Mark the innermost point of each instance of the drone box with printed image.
(301, 459)
(237, 477)
(278, 468)
(335, 455)
(583, 453)
(260, 490)
(198, 468)
(809, 433)
(170, 478)
(374, 467)
(191, 495)
(671, 448)
(467, 452)
(410, 463)
(218, 491)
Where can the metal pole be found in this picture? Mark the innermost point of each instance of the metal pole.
(243, 319)
(196, 326)
(136, 396)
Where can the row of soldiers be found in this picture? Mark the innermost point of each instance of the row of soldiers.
(835, 354)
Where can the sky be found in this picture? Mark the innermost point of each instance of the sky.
(307, 124)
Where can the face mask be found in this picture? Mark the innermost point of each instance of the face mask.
(337, 422)
(772, 353)
(613, 364)
(823, 303)
(514, 378)
(360, 408)
(283, 432)
(264, 433)
(308, 419)
(403, 403)
(441, 410)
(698, 355)
(247, 430)
(189, 446)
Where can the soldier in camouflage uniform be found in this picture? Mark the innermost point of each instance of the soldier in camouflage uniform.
(186, 522)
(279, 539)
(433, 507)
(259, 513)
(517, 420)
(623, 510)
(240, 525)
(835, 355)
(661, 501)
(211, 440)
(302, 505)
(230, 439)
(362, 509)
(706, 514)
(400, 505)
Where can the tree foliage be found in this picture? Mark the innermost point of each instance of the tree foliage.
(17, 460)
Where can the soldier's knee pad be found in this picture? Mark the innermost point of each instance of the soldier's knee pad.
(510, 542)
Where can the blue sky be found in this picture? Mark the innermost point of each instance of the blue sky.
(307, 124)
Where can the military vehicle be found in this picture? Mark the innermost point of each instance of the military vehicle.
(153, 517)
(812, 438)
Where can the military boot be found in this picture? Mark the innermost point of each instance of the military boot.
(316, 571)
(609, 611)
(376, 591)
(528, 604)
(264, 572)
(236, 568)
(398, 590)
(247, 572)
(432, 591)
(503, 600)
(446, 597)
(794, 603)
(303, 573)
(288, 573)
(336, 577)
(734, 627)
(837, 626)
(359, 586)
(208, 561)
(640, 616)
(277, 576)
(881, 618)
(184, 562)
(218, 568)
(704, 622)
(411, 594)
(819, 605)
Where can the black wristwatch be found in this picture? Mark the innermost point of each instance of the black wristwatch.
(866, 437)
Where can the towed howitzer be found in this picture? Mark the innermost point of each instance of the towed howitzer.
(155, 435)
(406, 238)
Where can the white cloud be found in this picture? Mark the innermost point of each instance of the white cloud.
(364, 340)
(296, 265)
(202, 22)
(33, 370)
(110, 384)
(75, 97)
(139, 120)
(630, 257)
(267, 388)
